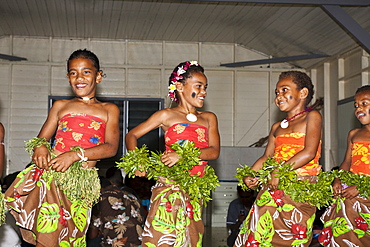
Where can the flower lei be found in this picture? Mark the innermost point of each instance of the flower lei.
(177, 75)
(318, 194)
(198, 188)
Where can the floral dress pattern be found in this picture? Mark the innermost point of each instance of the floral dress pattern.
(120, 219)
(174, 219)
(41, 208)
(275, 219)
(347, 221)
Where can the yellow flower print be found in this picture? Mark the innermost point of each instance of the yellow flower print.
(63, 126)
(60, 141)
(359, 149)
(365, 160)
(201, 134)
(77, 136)
(179, 128)
(167, 139)
(81, 124)
(95, 125)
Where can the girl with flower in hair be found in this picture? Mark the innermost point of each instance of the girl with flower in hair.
(174, 219)
(51, 200)
(346, 222)
(275, 219)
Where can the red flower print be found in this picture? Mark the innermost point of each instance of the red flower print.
(62, 217)
(325, 236)
(189, 210)
(277, 195)
(37, 174)
(361, 223)
(299, 231)
(168, 207)
(251, 242)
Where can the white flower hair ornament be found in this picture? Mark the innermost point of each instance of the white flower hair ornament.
(176, 76)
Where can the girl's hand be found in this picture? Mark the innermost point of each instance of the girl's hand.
(63, 161)
(170, 158)
(41, 157)
(350, 192)
(337, 187)
(251, 182)
(274, 182)
(139, 173)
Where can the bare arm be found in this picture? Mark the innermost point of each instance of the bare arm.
(153, 122)
(252, 182)
(213, 150)
(351, 191)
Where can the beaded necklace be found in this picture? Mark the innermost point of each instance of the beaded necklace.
(285, 123)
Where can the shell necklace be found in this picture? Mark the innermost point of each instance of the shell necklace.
(191, 117)
(85, 98)
(285, 123)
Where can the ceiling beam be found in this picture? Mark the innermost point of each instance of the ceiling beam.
(274, 60)
(11, 58)
(347, 23)
(302, 2)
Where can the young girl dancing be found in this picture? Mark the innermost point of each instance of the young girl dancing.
(275, 219)
(188, 86)
(346, 222)
(51, 200)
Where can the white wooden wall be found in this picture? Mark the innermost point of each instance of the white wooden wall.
(242, 98)
(338, 79)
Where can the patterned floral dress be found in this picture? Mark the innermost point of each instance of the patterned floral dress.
(275, 219)
(346, 223)
(120, 218)
(41, 208)
(174, 219)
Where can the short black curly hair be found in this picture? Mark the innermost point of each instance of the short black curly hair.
(363, 89)
(302, 80)
(84, 54)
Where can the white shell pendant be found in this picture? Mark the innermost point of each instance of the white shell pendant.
(284, 124)
(191, 117)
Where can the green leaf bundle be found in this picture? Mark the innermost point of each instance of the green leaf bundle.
(361, 181)
(318, 194)
(198, 188)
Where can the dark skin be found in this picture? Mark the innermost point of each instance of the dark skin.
(191, 95)
(292, 101)
(362, 112)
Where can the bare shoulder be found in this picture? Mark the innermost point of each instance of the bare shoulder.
(358, 133)
(110, 107)
(209, 115)
(314, 115)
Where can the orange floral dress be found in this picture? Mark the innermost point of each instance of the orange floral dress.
(275, 219)
(347, 222)
(41, 208)
(173, 219)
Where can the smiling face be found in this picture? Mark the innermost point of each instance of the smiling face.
(83, 77)
(362, 107)
(194, 90)
(288, 96)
